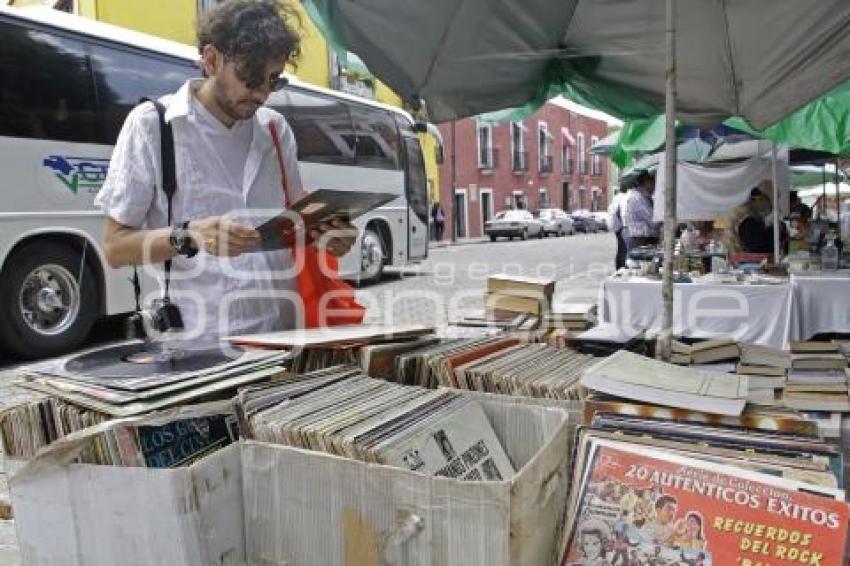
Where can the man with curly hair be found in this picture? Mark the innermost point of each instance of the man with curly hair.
(226, 167)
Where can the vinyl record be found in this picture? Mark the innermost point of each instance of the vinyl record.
(146, 360)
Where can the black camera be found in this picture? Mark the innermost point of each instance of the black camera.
(161, 316)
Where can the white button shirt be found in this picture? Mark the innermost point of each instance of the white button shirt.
(217, 296)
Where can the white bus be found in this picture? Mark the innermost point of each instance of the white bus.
(67, 85)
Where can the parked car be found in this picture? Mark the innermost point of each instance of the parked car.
(601, 218)
(555, 221)
(513, 224)
(584, 222)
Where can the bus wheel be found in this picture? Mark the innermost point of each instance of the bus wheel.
(46, 308)
(371, 257)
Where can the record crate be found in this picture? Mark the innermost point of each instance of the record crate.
(263, 504)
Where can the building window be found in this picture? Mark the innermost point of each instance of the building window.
(486, 156)
(581, 198)
(566, 158)
(544, 147)
(595, 164)
(520, 156)
(544, 198)
(582, 155)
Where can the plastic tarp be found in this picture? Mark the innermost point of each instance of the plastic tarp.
(467, 57)
(820, 125)
(710, 192)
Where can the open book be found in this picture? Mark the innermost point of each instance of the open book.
(314, 209)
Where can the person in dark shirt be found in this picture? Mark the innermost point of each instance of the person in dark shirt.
(750, 231)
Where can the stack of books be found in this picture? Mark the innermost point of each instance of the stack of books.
(517, 294)
(767, 369)
(817, 355)
(704, 352)
(571, 316)
(817, 380)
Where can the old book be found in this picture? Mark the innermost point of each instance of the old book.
(812, 401)
(756, 355)
(817, 376)
(573, 312)
(514, 303)
(816, 387)
(517, 284)
(714, 351)
(819, 360)
(767, 371)
(631, 376)
(807, 346)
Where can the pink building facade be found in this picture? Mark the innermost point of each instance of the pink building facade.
(541, 162)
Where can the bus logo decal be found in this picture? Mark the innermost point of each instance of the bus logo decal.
(78, 173)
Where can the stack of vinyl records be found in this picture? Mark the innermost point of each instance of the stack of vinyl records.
(316, 348)
(501, 364)
(342, 412)
(167, 439)
(659, 491)
(126, 380)
(30, 426)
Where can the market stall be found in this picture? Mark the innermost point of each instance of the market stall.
(752, 313)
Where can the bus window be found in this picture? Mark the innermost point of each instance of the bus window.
(417, 181)
(122, 78)
(46, 91)
(321, 125)
(377, 142)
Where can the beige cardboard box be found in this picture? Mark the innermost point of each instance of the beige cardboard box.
(262, 504)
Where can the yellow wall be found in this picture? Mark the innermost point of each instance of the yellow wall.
(172, 19)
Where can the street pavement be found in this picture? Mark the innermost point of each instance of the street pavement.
(451, 280)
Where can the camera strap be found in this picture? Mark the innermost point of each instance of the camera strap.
(169, 187)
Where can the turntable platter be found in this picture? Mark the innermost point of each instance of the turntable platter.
(145, 360)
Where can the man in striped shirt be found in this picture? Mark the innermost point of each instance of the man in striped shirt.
(640, 229)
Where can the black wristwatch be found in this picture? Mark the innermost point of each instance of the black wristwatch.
(181, 241)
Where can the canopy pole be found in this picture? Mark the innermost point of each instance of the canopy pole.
(837, 199)
(664, 339)
(776, 254)
(451, 203)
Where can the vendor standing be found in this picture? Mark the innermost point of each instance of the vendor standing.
(639, 227)
(225, 166)
(751, 223)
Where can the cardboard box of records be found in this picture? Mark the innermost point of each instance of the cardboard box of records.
(256, 503)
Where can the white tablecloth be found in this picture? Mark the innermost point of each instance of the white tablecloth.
(756, 314)
(821, 304)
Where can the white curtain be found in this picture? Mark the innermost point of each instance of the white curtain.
(707, 192)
